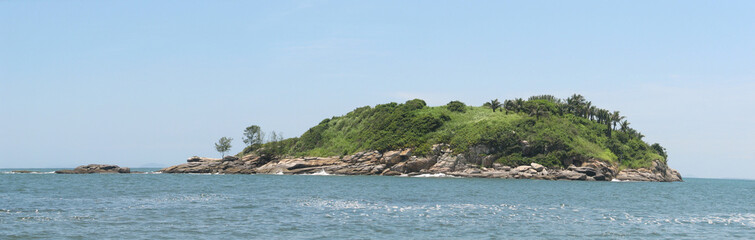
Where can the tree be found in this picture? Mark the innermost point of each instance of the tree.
(519, 104)
(275, 137)
(603, 116)
(593, 110)
(456, 106)
(253, 135)
(575, 104)
(223, 145)
(494, 104)
(624, 126)
(660, 150)
(508, 105)
(538, 112)
(546, 97)
(616, 118)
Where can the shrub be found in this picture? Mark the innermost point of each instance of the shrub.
(456, 106)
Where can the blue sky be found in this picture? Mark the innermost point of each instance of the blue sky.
(140, 83)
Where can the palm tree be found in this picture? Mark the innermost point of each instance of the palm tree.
(575, 102)
(586, 113)
(593, 110)
(519, 103)
(635, 133)
(509, 106)
(494, 104)
(616, 118)
(602, 116)
(538, 112)
(624, 126)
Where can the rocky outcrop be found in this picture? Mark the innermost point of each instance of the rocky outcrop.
(440, 160)
(96, 168)
(659, 172)
(228, 164)
(201, 159)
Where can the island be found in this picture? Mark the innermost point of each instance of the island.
(543, 137)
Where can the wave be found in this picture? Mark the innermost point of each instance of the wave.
(435, 175)
(322, 172)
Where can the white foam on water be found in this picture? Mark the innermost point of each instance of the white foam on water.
(436, 175)
(322, 172)
(617, 180)
(335, 204)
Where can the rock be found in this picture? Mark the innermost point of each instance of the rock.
(478, 163)
(415, 164)
(445, 163)
(22, 171)
(570, 175)
(442, 148)
(201, 159)
(599, 168)
(522, 168)
(525, 175)
(391, 158)
(674, 176)
(639, 175)
(600, 177)
(537, 167)
(406, 153)
(388, 172)
(586, 170)
(291, 165)
(497, 174)
(96, 168)
(660, 172)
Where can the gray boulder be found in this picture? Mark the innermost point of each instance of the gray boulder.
(537, 167)
(570, 175)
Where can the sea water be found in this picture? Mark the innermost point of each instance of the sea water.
(205, 206)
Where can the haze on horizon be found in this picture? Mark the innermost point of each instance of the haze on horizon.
(145, 83)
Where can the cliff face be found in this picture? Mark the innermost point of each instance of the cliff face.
(440, 161)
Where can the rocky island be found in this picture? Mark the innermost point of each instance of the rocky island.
(540, 138)
(95, 168)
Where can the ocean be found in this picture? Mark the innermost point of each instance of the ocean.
(203, 206)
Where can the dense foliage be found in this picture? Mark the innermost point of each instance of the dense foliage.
(456, 106)
(542, 129)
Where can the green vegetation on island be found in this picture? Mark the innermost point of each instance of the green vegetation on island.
(542, 129)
